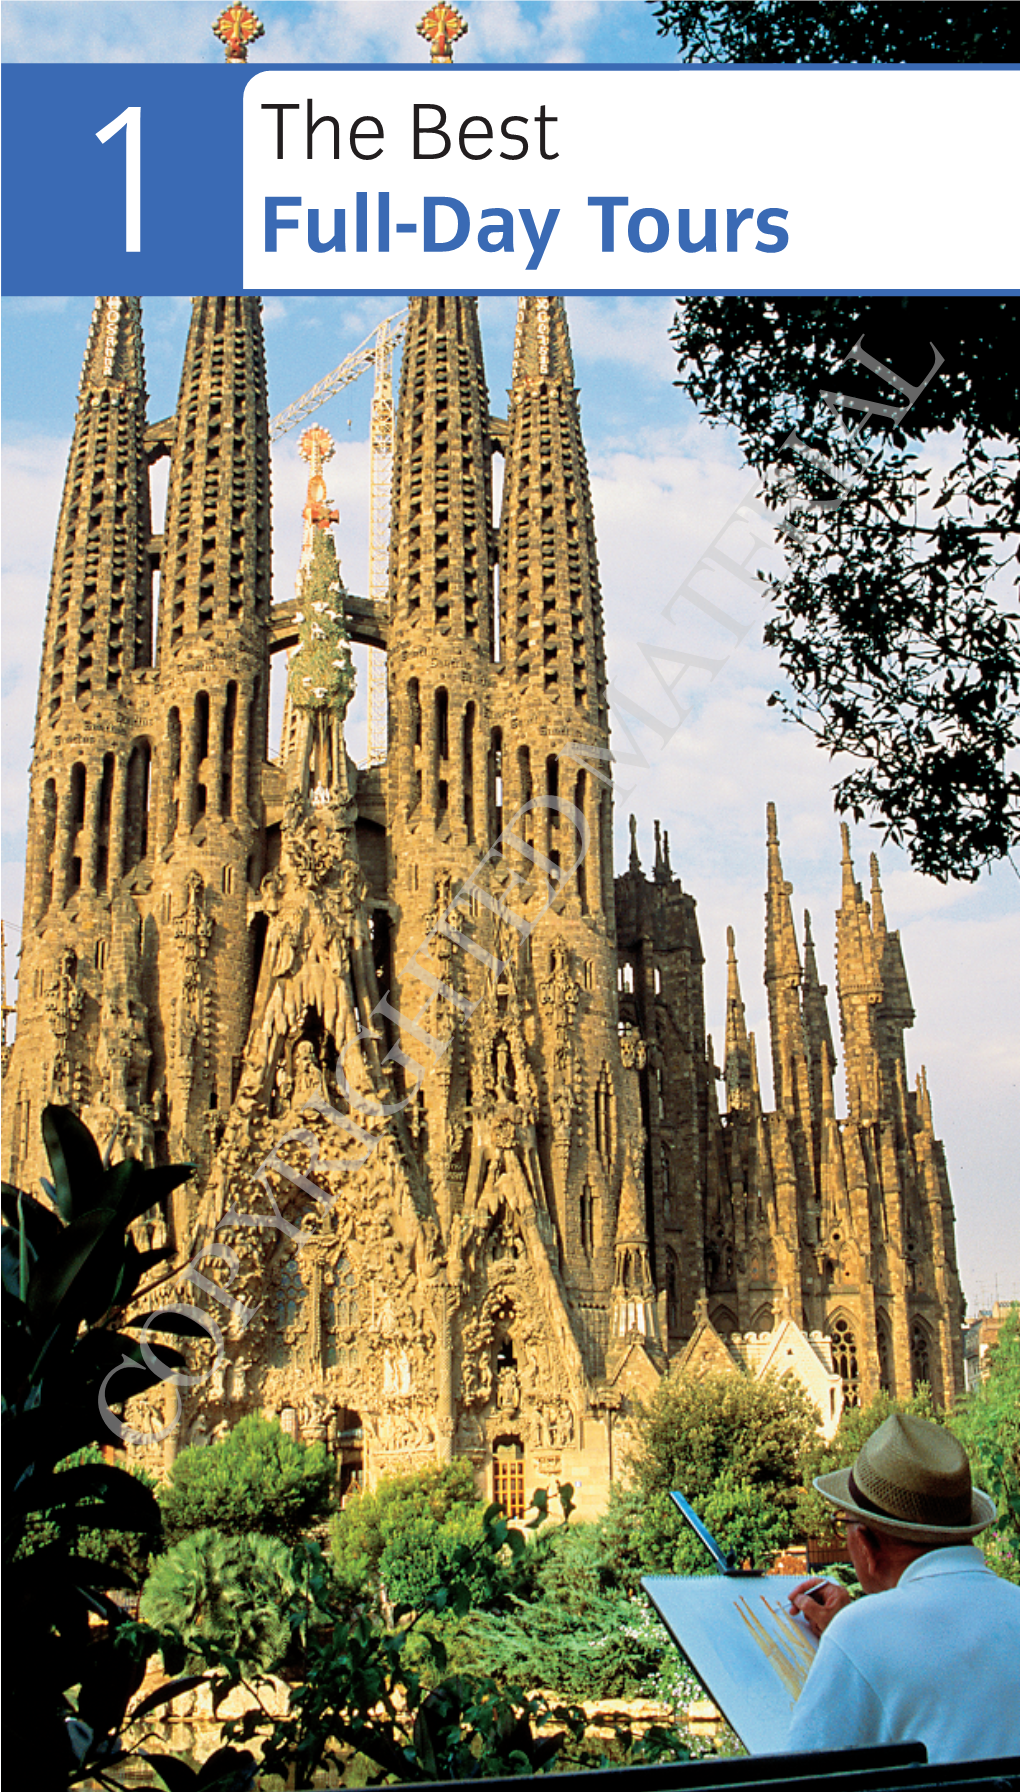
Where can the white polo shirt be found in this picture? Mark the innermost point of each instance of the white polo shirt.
(935, 1659)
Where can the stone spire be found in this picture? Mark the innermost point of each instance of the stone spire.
(860, 993)
(99, 619)
(215, 584)
(635, 856)
(98, 624)
(782, 976)
(551, 599)
(738, 1049)
(634, 1305)
(817, 1031)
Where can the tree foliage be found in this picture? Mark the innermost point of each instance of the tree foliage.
(73, 1302)
(987, 1422)
(256, 1479)
(427, 1513)
(894, 624)
(242, 1593)
(570, 1622)
(840, 30)
(384, 1690)
(892, 620)
(733, 1447)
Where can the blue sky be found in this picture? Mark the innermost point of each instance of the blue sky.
(331, 31)
(663, 485)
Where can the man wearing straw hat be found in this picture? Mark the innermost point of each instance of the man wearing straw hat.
(936, 1659)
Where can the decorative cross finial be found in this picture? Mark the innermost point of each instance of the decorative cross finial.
(316, 447)
(441, 27)
(236, 28)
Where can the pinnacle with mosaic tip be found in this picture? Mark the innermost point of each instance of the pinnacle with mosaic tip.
(441, 26)
(236, 28)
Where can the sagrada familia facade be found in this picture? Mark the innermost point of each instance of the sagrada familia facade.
(469, 1181)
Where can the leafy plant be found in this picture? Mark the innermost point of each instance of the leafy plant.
(733, 1446)
(72, 1283)
(987, 1422)
(838, 30)
(441, 1501)
(897, 634)
(254, 1479)
(365, 1693)
(232, 1591)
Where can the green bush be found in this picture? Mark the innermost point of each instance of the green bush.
(987, 1422)
(733, 1447)
(567, 1623)
(235, 1592)
(416, 1516)
(256, 1480)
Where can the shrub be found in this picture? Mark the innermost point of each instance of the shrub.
(408, 1516)
(733, 1447)
(987, 1422)
(234, 1592)
(256, 1480)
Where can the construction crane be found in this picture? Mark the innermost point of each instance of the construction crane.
(357, 362)
(380, 502)
(376, 351)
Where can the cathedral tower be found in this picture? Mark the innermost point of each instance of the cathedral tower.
(448, 1083)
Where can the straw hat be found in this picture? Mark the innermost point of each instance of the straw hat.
(911, 1480)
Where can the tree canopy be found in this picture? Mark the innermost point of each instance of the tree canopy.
(894, 627)
(256, 1479)
(839, 30)
(884, 431)
(733, 1447)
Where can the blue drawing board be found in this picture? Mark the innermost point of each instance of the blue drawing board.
(743, 1646)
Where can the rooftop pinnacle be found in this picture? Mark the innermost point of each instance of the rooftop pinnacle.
(441, 26)
(236, 28)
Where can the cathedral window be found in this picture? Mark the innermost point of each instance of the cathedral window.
(291, 1294)
(508, 1476)
(587, 1221)
(886, 1379)
(920, 1352)
(844, 1359)
(603, 1116)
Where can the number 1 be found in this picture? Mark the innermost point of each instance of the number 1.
(130, 122)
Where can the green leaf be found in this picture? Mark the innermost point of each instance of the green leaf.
(175, 1774)
(75, 1161)
(163, 1695)
(110, 1497)
(55, 1275)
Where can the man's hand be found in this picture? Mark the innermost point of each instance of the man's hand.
(818, 1601)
